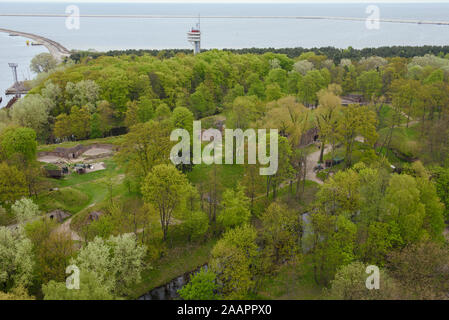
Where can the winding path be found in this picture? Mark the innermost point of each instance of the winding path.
(312, 161)
(58, 51)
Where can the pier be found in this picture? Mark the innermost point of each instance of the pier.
(58, 51)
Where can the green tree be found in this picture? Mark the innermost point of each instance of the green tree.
(280, 232)
(43, 62)
(349, 284)
(13, 184)
(356, 121)
(234, 260)
(165, 188)
(202, 286)
(25, 210)
(332, 243)
(80, 122)
(405, 211)
(117, 262)
(16, 259)
(18, 141)
(195, 224)
(32, 112)
(146, 145)
(370, 83)
(95, 126)
(235, 208)
(91, 288)
(182, 118)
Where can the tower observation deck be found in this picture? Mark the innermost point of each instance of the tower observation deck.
(194, 37)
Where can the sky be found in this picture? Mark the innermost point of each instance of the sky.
(238, 1)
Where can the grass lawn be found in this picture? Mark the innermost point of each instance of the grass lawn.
(405, 141)
(229, 174)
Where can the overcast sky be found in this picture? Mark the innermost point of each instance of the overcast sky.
(241, 1)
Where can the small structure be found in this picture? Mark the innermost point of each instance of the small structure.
(337, 160)
(353, 99)
(79, 150)
(80, 168)
(94, 216)
(58, 215)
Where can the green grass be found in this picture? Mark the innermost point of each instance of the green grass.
(229, 174)
(293, 281)
(76, 192)
(67, 199)
(117, 140)
(405, 141)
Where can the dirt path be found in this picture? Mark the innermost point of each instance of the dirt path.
(312, 161)
(65, 228)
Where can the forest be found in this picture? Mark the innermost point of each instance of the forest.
(362, 179)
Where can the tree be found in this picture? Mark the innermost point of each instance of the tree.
(80, 122)
(62, 128)
(370, 83)
(43, 62)
(182, 118)
(234, 259)
(195, 224)
(95, 127)
(91, 288)
(434, 209)
(202, 286)
(32, 112)
(405, 211)
(356, 120)
(116, 262)
(202, 102)
(18, 293)
(280, 232)
(309, 86)
(25, 210)
(332, 243)
(13, 184)
(18, 141)
(340, 194)
(106, 116)
(165, 188)
(421, 270)
(350, 284)
(146, 145)
(82, 93)
(326, 118)
(16, 259)
(235, 206)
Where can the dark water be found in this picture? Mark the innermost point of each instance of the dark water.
(169, 291)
